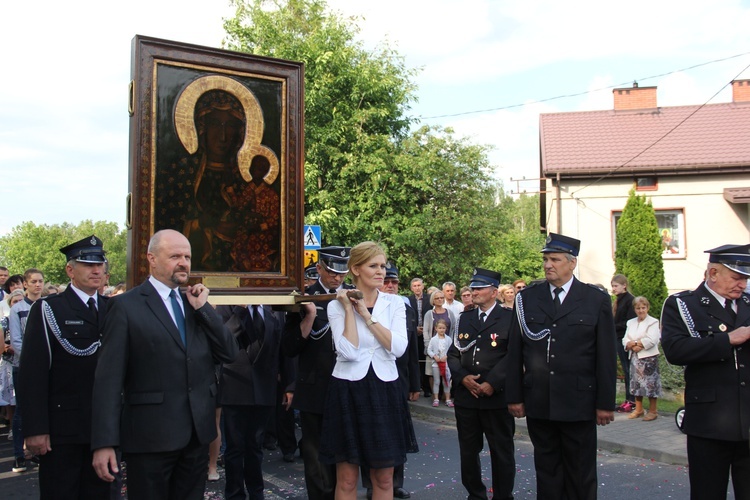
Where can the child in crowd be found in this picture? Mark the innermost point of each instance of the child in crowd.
(438, 351)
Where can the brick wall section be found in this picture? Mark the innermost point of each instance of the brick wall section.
(635, 98)
(741, 91)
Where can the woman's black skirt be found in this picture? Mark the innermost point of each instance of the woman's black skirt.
(367, 422)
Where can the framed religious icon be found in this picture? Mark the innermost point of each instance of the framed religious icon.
(216, 152)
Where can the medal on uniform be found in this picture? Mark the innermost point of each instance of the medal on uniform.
(723, 327)
(493, 336)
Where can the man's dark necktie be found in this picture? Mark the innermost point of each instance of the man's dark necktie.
(482, 316)
(728, 306)
(179, 317)
(557, 292)
(258, 324)
(93, 309)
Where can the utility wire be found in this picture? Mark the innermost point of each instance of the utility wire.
(577, 94)
(657, 141)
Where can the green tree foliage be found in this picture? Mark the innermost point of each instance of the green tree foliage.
(638, 256)
(516, 254)
(355, 99)
(638, 253)
(425, 194)
(30, 245)
(435, 209)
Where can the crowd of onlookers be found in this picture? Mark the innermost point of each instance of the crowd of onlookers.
(17, 293)
(439, 323)
(491, 351)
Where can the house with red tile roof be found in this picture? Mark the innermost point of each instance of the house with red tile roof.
(692, 162)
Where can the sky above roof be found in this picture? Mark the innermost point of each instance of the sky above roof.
(488, 69)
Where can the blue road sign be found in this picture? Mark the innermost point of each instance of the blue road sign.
(312, 237)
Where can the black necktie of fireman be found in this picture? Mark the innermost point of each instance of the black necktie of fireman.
(728, 306)
(558, 291)
(93, 309)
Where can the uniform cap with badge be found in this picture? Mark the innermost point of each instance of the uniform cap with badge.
(482, 278)
(89, 250)
(558, 243)
(734, 257)
(391, 271)
(335, 259)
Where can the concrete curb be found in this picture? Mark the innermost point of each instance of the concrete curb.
(665, 443)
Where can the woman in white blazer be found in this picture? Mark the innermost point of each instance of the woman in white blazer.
(641, 340)
(367, 419)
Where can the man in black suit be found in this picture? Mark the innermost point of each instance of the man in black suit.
(408, 373)
(60, 349)
(477, 362)
(155, 386)
(420, 302)
(708, 330)
(562, 372)
(248, 394)
(308, 336)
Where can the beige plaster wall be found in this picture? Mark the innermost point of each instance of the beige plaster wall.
(709, 220)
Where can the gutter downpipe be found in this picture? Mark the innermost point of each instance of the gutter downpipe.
(559, 204)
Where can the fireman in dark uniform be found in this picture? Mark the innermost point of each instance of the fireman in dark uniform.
(308, 335)
(311, 275)
(60, 350)
(707, 330)
(562, 372)
(477, 362)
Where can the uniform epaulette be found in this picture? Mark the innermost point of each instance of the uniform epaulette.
(683, 293)
(53, 297)
(597, 287)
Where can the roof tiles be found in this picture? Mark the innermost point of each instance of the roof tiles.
(708, 138)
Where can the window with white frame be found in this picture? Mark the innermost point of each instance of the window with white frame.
(671, 225)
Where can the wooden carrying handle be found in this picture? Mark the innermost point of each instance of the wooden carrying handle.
(352, 294)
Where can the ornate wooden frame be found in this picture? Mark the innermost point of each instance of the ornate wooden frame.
(168, 79)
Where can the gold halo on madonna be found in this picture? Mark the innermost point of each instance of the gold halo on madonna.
(184, 122)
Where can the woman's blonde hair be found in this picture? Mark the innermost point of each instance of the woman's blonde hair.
(15, 293)
(620, 279)
(363, 253)
(501, 291)
(641, 300)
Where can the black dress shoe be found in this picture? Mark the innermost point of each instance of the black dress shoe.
(401, 493)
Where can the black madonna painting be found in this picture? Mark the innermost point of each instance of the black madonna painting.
(224, 148)
(223, 194)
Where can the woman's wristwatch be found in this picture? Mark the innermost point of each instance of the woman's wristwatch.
(371, 321)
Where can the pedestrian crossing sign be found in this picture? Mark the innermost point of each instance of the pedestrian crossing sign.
(312, 237)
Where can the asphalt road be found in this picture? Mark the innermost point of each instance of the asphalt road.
(431, 473)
